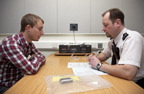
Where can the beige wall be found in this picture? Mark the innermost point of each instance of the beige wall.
(49, 43)
(52, 41)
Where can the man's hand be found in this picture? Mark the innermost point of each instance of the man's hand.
(93, 60)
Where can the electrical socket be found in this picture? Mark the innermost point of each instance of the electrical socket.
(73, 27)
(54, 45)
(100, 45)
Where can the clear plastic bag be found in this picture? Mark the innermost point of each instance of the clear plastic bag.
(79, 84)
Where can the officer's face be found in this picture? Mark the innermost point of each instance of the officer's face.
(108, 26)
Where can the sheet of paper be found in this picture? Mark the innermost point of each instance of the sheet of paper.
(79, 65)
(83, 68)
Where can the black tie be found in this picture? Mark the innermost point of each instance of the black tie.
(115, 51)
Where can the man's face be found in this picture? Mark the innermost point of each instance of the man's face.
(36, 32)
(108, 27)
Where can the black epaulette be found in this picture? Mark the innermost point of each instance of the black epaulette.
(125, 35)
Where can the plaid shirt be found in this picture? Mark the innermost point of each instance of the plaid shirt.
(18, 57)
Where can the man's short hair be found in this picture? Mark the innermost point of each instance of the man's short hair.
(29, 19)
(115, 13)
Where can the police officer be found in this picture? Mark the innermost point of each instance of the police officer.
(126, 48)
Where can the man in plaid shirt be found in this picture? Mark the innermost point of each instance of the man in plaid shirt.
(18, 55)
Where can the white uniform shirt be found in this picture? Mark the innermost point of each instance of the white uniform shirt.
(131, 50)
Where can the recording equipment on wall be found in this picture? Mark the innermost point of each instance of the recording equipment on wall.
(74, 48)
(81, 48)
(74, 27)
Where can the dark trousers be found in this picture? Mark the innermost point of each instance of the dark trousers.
(3, 89)
(141, 82)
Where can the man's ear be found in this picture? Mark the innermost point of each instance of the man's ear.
(118, 22)
(28, 28)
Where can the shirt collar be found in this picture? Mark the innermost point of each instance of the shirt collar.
(23, 40)
(120, 35)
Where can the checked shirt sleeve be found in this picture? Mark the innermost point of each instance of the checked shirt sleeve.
(36, 55)
(14, 54)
